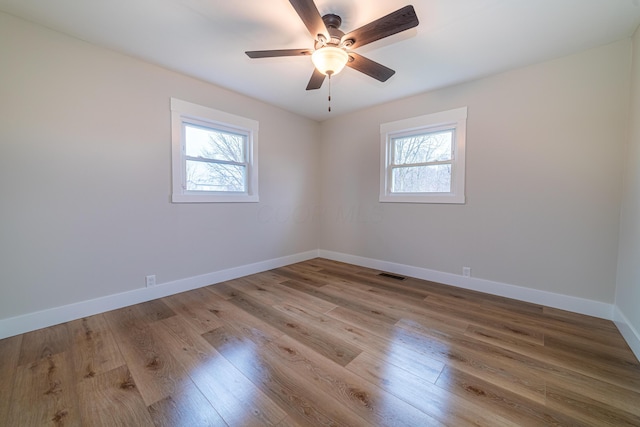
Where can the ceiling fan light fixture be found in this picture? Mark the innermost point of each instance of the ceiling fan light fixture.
(329, 60)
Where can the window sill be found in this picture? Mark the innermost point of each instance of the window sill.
(223, 198)
(421, 198)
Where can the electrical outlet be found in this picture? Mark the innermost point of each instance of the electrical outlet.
(150, 280)
(466, 271)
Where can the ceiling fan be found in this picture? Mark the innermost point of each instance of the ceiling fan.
(333, 48)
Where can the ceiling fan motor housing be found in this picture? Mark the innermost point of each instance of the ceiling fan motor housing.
(332, 22)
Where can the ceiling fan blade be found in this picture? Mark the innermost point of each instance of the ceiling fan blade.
(317, 78)
(309, 14)
(369, 67)
(278, 52)
(393, 23)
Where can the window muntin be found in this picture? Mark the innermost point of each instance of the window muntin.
(422, 158)
(214, 155)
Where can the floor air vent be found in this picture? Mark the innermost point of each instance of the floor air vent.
(392, 276)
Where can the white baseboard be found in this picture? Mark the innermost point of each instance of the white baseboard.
(631, 336)
(53, 316)
(549, 299)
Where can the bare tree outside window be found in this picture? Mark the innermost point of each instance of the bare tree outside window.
(215, 160)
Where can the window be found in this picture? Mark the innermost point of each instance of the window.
(214, 155)
(422, 158)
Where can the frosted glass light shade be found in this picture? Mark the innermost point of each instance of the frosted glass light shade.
(329, 59)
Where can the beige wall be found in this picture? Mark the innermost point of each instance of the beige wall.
(543, 178)
(628, 287)
(85, 176)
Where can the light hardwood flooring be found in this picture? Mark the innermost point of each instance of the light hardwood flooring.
(322, 343)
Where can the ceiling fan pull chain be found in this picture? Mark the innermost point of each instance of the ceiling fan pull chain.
(329, 92)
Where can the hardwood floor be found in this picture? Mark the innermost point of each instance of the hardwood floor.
(322, 343)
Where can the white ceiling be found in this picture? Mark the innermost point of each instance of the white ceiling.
(456, 41)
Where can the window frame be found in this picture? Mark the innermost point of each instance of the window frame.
(454, 120)
(186, 113)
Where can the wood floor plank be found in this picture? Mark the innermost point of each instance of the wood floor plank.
(268, 276)
(227, 314)
(401, 309)
(44, 393)
(335, 296)
(309, 265)
(616, 350)
(93, 349)
(563, 371)
(608, 394)
(607, 359)
(152, 311)
(470, 297)
(384, 347)
(190, 306)
(339, 265)
(9, 355)
(579, 319)
(304, 405)
(588, 410)
(590, 362)
(224, 290)
(274, 293)
(112, 399)
(598, 335)
(43, 343)
(311, 278)
(312, 336)
(365, 399)
(424, 395)
(373, 325)
(496, 400)
(234, 396)
(517, 322)
(188, 407)
(500, 321)
(155, 371)
(504, 368)
(275, 285)
(508, 342)
(289, 422)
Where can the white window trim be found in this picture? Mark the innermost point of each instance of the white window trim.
(185, 111)
(452, 119)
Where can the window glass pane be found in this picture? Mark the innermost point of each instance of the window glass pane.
(214, 144)
(203, 176)
(422, 179)
(428, 147)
